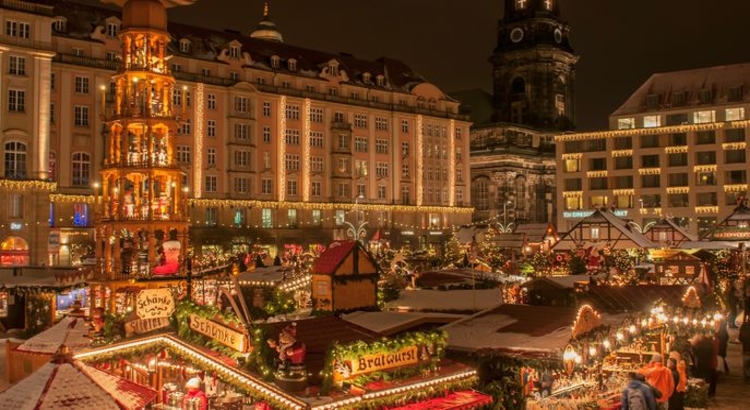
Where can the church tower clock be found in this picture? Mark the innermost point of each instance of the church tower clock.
(533, 67)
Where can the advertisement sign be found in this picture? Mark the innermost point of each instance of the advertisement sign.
(219, 332)
(153, 303)
(380, 361)
(141, 326)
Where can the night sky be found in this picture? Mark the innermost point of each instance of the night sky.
(620, 42)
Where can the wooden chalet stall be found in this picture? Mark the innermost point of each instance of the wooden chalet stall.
(600, 230)
(537, 236)
(667, 234)
(680, 268)
(345, 278)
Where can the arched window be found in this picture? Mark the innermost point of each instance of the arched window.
(275, 61)
(518, 87)
(14, 251)
(481, 194)
(81, 169)
(560, 96)
(15, 160)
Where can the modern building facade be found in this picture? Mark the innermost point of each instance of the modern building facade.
(512, 153)
(265, 143)
(675, 149)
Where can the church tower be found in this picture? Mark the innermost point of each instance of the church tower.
(533, 67)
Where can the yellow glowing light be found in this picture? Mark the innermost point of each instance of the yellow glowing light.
(198, 130)
(420, 160)
(306, 152)
(281, 141)
(452, 165)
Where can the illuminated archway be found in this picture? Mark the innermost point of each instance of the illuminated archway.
(14, 251)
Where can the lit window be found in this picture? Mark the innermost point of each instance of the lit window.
(700, 117)
(651, 121)
(625, 123)
(735, 114)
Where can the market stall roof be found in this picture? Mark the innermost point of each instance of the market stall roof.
(556, 282)
(713, 245)
(389, 323)
(734, 228)
(459, 400)
(635, 298)
(517, 330)
(675, 235)
(71, 332)
(66, 383)
(30, 277)
(435, 278)
(453, 301)
(537, 232)
(612, 232)
(319, 333)
(264, 274)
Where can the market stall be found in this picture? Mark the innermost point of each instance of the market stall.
(25, 357)
(68, 383)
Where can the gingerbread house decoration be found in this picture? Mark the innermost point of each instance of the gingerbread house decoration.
(691, 299)
(344, 278)
(587, 320)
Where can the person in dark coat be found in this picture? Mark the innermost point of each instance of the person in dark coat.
(676, 400)
(745, 340)
(704, 354)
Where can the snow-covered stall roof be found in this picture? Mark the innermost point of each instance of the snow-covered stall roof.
(71, 332)
(65, 383)
(446, 300)
(388, 323)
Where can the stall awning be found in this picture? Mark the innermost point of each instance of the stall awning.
(460, 400)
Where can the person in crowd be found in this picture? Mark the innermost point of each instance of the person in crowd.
(660, 377)
(745, 340)
(705, 349)
(681, 384)
(676, 399)
(637, 395)
(722, 336)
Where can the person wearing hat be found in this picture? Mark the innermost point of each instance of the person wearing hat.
(660, 377)
(195, 398)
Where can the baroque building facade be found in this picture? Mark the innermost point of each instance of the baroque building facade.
(261, 142)
(676, 149)
(512, 153)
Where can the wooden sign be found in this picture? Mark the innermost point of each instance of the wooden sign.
(219, 332)
(383, 361)
(153, 303)
(141, 326)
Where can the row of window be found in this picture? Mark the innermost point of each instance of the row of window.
(680, 159)
(679, 139)
(696, 117)
(680, 200)
(15, 161)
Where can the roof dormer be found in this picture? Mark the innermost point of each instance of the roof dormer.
(292, 64)
(275, 61)
(235, 50)
(380, 80)
(366, 78)
(185, 45)
(60, 24)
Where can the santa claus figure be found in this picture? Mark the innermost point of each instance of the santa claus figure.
(291, 351)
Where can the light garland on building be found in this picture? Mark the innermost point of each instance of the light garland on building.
(420, 160)
(596, 174)
(733, 145)
(620, 192)
(281, 141)
(73, 199)
(575, 155)
(252, 203)
(622, 153)
(735, 188)
(649, 171)
(632, 132)
(306, 152)
(452, 164)
(199, 115)
(704, 168)
(676, 150)
(678, 190)
(572, 194)
(27, 185)
(706, 209)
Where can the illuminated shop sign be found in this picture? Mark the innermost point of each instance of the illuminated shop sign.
(16, 226)
(219, 332)
(622, 213)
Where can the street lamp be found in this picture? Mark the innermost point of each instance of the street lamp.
(356, 212)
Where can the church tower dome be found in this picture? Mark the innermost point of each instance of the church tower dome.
(267, 29)
(534, 67)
